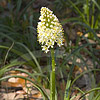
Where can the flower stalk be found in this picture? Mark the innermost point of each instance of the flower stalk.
(52, 78)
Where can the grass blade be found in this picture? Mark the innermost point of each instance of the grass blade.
(32, 55)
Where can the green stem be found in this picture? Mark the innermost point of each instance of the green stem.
(52, 77)
(93, 10)
(87, 2)
(77, 9)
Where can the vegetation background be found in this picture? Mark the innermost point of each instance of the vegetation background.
(77, 62)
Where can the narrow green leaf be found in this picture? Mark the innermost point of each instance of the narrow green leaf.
(32, 55)
(66, 95)
(98, 6)
(19, 2)
(92, 90)
(4, 68)
(25, 9)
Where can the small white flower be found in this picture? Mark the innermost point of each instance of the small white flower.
(46, 24)
(48, 15)
(44, 48)
(51, 26)
(48, 20)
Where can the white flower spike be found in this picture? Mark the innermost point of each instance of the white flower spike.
(49, 30)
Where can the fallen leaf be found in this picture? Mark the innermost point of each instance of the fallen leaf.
(86, 35)
(78, 60)
(21, 92)
(98, 47)
(38, 95)
(19, 97)
(79, 33)
(91, 41)
(98, 35)
(9, 96)
(12, 80)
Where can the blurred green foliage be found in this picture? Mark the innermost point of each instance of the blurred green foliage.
(19, 45)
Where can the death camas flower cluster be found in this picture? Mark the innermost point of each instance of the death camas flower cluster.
(49, 30)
